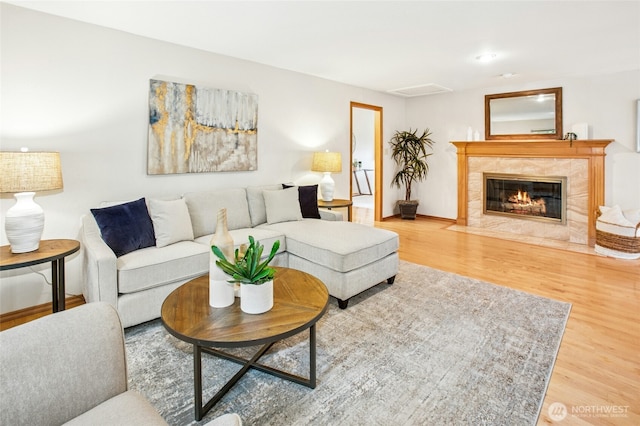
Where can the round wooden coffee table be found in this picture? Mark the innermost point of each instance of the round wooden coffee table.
(299, 301)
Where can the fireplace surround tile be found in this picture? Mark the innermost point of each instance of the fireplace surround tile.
(575, 231)
(581, 161)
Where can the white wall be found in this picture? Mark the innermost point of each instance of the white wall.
(82, 90)
(605, 102)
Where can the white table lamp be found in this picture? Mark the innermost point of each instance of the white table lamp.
(24, 173)
(327, 163)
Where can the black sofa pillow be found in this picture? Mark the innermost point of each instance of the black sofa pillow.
(308, 198)
(126, 227)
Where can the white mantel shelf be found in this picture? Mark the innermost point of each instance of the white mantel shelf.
(592, 150)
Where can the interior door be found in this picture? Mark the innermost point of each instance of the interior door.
(362, 116)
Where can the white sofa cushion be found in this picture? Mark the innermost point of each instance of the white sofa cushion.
(171, 221)
(282, 205)
(156, 266)
(264, 236)
(204, 206)
(255, 199)
(341, 246)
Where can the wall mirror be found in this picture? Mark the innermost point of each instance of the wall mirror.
(531, 114)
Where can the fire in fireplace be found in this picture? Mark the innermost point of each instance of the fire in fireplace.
(527, 197)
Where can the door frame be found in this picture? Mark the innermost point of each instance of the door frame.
(377, 142)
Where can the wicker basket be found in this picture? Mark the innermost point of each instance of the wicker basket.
(621, 243)
(618, 242)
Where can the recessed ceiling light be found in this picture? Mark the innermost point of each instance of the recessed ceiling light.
(486, 57)
(507, 75)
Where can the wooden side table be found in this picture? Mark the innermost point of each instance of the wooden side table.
(53, 251)
(337, 203)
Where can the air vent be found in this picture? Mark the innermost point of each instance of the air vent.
(422, 90)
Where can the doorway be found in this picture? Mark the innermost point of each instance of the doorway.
(366, 157)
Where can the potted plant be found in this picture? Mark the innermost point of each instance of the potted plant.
(409, 151)
(255, 277)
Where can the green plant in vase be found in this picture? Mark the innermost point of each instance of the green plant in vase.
(246, 267)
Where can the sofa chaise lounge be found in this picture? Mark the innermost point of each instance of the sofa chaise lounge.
(133, 262)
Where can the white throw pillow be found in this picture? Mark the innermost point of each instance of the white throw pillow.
(614, 216)
(171, 221)
(282, 205)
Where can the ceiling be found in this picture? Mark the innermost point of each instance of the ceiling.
(390, 45)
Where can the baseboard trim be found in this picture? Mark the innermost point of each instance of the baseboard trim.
(13, 318)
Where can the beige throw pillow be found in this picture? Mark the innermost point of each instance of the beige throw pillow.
(171, 221)
(282, 205)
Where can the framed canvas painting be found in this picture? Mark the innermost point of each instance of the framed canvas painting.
(194, 129)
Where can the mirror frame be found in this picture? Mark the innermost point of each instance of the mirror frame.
(487, 114)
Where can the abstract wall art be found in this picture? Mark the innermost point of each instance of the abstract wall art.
(195, 129)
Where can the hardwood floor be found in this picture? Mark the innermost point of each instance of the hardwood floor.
(597, 371)
(11, 319)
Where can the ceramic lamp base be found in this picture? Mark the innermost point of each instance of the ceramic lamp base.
(24, 224)
(326, 187)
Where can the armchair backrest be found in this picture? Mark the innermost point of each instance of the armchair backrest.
(59, 366)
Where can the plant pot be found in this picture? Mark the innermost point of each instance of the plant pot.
(408, 209)
(256, 298)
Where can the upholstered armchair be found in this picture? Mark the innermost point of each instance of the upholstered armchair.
(70, 368)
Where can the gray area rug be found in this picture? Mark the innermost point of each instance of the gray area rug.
(433, 348)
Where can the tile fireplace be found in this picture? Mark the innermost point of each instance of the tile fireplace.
(576, 167)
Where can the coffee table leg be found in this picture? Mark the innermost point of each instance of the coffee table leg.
(197, 381)
(201, 410)
(312, 357)
(197, 377)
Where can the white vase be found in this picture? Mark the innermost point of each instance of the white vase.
(256, 299)
(221, 291)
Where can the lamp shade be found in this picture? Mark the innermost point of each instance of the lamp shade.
(327, 162)
(30, 171)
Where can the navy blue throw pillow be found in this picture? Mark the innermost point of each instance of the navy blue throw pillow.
(126, 227)
(308, 198)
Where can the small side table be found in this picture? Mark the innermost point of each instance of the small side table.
(337, 203)
(53, 251)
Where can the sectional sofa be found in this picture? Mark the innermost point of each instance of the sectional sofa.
(137, 252)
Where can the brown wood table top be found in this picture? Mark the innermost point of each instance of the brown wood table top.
(335, 203)
(48, 251)
(299, 301)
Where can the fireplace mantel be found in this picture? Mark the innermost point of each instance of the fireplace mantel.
(591, 150)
